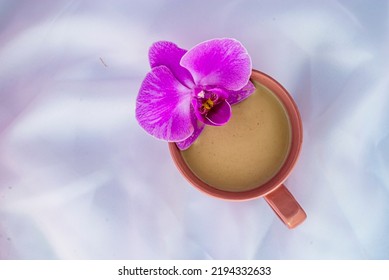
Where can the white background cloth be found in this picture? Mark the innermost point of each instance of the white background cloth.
(79, 179)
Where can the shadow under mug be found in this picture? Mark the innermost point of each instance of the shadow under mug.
(274, 191)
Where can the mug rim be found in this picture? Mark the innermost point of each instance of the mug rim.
(295, 147)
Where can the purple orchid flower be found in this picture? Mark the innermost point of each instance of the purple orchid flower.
(186, 90)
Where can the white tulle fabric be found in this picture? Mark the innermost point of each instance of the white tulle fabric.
(79, 179)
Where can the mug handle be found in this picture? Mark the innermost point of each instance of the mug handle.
(286, 207)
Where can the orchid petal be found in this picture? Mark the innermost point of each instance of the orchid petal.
(198, 128)
(219, 115)
(169, 54)
(163, 106)
(221, 62)
(240, 95)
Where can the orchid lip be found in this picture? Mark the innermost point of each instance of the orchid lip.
(211, 107)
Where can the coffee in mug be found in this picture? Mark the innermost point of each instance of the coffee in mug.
(253, 154)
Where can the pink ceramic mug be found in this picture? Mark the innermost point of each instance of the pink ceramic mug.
(274, 191)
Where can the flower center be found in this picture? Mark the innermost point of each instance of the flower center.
(207, 105)
(206, 100)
